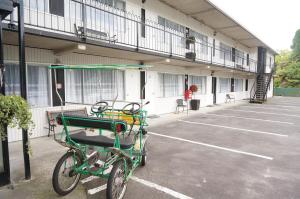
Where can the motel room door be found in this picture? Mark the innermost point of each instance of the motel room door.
(214, 89)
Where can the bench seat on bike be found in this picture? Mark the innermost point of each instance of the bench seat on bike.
(113, 125)
(100, 140)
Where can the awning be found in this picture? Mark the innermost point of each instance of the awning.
(207, 13)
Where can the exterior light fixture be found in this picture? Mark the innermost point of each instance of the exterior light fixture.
(208, 66)
(168, 60)
(81, 47)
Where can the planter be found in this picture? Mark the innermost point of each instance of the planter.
(195, 104)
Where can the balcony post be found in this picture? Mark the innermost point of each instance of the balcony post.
(171, 49)
(137, 35)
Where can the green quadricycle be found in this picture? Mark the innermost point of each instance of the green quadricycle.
(116, 150)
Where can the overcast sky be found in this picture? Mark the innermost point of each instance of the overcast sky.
(273, 21)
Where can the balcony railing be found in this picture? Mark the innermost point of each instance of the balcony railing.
(96, 21)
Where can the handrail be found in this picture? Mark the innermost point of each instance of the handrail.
(128, 27)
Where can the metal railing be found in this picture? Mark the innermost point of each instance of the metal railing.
(96, 21)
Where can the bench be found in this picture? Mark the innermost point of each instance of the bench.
(113, 125)
(51, 117)
(229, 97)
(96, 34)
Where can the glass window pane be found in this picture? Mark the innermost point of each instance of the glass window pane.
(12, 79)
(38, 86)
(200, 82)
(171, 85)
(73, 86)
(103, 85)
(224, 85)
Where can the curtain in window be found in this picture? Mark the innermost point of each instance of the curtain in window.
(200, 82)
(12, 79)
(225, 51)
(73, 81)
(238, 85)
(103, 85)
(239, 57)
(171, 85)
(38, 86)
(224, 85)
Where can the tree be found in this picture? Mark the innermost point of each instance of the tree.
(296, 47)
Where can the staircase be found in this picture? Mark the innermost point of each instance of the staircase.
(260, 88)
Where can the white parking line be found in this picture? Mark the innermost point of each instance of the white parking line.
(88, 179)
(280, 114)
(168, 191)
(270, 108)
(97, 189)
(234, 128)
(213, 146)
(283, 105)
(249, 118)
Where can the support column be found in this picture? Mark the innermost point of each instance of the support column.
(23, 87)
(5, 170)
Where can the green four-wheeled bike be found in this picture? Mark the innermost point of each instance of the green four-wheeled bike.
(116, 150)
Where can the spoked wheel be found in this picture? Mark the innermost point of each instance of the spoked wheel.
(144, 156)
(64, 179)
(116, 184)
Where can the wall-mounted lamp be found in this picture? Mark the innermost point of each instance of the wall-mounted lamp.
(215, 33)
(212, 73)
(143, 1)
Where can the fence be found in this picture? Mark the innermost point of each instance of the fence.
(292, 92)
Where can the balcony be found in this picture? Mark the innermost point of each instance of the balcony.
(99, 22)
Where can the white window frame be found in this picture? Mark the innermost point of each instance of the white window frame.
(162, 93)
(228, 85)
(200, 86)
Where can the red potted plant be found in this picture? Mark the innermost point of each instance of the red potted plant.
(195, 103)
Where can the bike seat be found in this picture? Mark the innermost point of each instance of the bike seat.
(100, 140)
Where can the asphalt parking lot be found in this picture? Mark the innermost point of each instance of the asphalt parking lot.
(244, 151)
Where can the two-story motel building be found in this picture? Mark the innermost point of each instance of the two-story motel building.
(180, 39)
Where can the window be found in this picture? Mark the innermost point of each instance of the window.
(200, 82)
(247, 85)
(225, 52)
(224, 86)
(170, 24)
(90, 86)
(57, 7)
(38, 92)
(239, 57)
(202, 39)
(171, 85)
(38, 86)
(12, 79)
(238, 86)
(73, 85)
(119, 4)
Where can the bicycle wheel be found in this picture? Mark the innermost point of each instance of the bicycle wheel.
(64, 179)
(144, 155)
(116, 184)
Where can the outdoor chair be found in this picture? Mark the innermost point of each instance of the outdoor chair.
(229, 98)
(180, 104)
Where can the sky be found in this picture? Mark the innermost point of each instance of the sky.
(273, 21)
